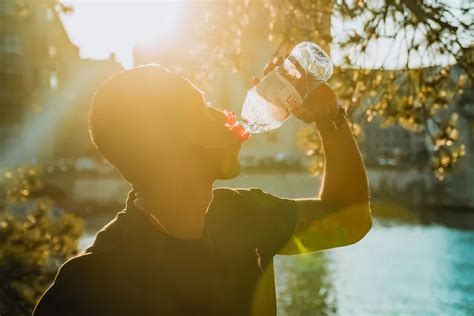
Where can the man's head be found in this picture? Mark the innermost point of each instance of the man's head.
(148, 121)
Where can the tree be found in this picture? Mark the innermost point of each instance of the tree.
(429, 46)
(35, 239)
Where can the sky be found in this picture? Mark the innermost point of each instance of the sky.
(110, 26)
(101, 27)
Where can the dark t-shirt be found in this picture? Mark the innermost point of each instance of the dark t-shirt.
(135, 269)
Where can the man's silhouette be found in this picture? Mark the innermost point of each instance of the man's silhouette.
(179, 247)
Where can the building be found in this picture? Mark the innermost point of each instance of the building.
(45, 86)
(392, 146)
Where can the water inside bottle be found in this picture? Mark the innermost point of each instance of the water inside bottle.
(270, 105)
(259, 115)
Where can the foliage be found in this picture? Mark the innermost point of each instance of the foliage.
(432, 38)
(22, 7)
(34, 239)
(419, 100)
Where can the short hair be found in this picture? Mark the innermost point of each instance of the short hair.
(137, 109)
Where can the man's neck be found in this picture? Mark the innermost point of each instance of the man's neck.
(179, 207)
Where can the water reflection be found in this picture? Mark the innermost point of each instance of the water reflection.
(395, 270)
(304, 286)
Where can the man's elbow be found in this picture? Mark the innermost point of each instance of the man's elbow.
(360, 224)
(362, 229)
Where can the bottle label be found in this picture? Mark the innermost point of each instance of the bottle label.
(277, 90)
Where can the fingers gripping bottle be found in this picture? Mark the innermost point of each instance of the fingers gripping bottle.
(270, 103)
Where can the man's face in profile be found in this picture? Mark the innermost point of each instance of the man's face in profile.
(148, 121)
(192, 136)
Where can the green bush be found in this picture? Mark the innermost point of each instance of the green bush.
(34, 241)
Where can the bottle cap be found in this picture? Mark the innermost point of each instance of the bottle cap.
(236, 127)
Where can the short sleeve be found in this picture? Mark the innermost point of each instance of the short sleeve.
(243, 220)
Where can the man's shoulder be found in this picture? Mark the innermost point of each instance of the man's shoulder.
(241, 220)
(231, 206)
(237, 193)
(83, 283)
(115, 235)
(78, 273)
(235, 201)
(91, 270)
(255, 197)
(227, 190)
(87, 263)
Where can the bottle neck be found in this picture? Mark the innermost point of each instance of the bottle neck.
(238, 128)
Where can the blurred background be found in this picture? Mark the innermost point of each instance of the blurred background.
(403, 71)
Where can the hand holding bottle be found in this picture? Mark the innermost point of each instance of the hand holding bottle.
(285, 87)
(320, 103)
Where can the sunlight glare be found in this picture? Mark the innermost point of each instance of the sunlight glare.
(103, 27)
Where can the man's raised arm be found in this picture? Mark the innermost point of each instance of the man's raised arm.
(340, 215)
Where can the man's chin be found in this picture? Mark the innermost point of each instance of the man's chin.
(229, 171)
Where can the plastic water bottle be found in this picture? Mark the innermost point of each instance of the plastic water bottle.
(270, 103)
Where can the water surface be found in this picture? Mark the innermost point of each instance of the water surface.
(395, 270)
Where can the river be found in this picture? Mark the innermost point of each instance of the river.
(395, 270)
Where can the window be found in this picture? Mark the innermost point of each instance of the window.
(52, 51)
(53, 81)
(6, 7)
(49, 14)
(10, 44)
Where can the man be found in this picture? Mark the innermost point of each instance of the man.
(180, 247)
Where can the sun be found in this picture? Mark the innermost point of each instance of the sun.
(103, 27)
